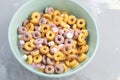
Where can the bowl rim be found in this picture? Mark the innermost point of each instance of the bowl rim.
(48, 75)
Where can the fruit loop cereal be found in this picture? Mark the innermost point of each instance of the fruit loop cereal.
(53, 42)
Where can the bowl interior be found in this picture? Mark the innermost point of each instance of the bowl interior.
(63, 5)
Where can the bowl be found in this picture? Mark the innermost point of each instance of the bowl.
(72, 7)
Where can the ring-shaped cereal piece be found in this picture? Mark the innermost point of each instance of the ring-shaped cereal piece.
(37, 59)
(36, 34)
(81, 43)
(83, 49)
(85, 32)
(49, 69)
(41, 67)
(71, 57)
(27, 36)
(32, 43)
(82, 57)
(71, 20)
(50, 35)
(58, 56)
(47, 16)
(35, 52)
(42, 21)
(73, 62)
(44, 50)
(30, 27)
(65, 67)
(73, 51)
(56, 13)
(69, 42)
(59, 39)
(74, 44)
(50, 61)
(45, 42)
(44, 59)
(59, 68)
(57, 20)
(81, 23)
(45, 28)
(50, 56)
(28, 46)
(29, 59)
(74, 27)
(63, 24)
(65, 17)
(66, 49)
(49, 10)
(36, 15)
(22, 30)
(25, 22)
(76, 34)
(54, 46)
(81, 37)
(34, 21)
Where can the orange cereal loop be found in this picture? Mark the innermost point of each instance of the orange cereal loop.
(57, 20)
(35, 22)
(44, 50)
(47, 16)
(45, 28)
(71, 20)
(35, 15)
(56, 13)
(30, 27)
(81, 23)
(50, 35)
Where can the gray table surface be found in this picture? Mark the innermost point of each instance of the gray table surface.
(104, 66)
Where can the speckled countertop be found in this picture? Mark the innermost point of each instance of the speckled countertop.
(104, 66)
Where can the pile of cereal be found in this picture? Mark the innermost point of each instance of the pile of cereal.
(53, 41)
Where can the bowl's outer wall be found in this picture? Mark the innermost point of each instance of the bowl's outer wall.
(63, 5)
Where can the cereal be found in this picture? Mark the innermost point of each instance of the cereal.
(53, 41)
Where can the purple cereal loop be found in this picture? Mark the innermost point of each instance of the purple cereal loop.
(25, 22)
(45, 41)
(77, 32)
(52, 25)
(22, 30)
(59, 39)
(40, 66)
(54, 29)
(36, 34)
(59, 68)
(49, 69)
(26, 52)
(69, 42)
(39, 46)
(44, 59)
(39, 41)
(42, 21)
(33, 65)
(21, 45)
(27, 36)
(50, 10)
(50, 61)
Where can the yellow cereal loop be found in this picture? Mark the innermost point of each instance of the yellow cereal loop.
(57, 20)
(82, 57)
(81, 23)
(74, 27)
(34, 21)
(32, 43)
(71, 20)
(75, 65)
(35, 15)
(67, 63)
(50, 35)
(57, 62)
(73, 52)
(65, 67)
(73, 62)
(83, 49)
(58, 56)
(50, 56)
(81, 43)
(65, 17)
(74, 44)
(63, 24)
(28, 46)
(30, 27)
(81, 37)
(47, 16)
(29, 59)
(35, 53)
(45, 28)
(44, 50)
(42, 34)
(84, 32)
(56, 13)
(37, 59)
(31, 32)
(65, 29)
